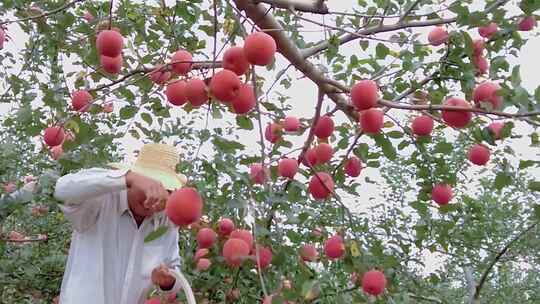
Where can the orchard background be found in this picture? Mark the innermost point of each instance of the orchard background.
(482, 247)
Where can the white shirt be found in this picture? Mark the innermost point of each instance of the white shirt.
(108, 262)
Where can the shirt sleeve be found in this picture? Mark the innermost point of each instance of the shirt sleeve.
(83, 194)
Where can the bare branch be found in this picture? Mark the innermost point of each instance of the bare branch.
(312, 6)
(45, 14)
(408, 11)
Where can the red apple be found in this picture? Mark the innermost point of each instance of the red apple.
(206, 238)
(487, 92)
(371, 121)
(334, 248)
(442, 194)
(373, 282)
(310, 158)
(324, 153)
(153, 301)
(244, 235)
(324, 127)
(196, 92)
(203, 264)
(481, 64)
(259, 48)
(265, 256)
(181, 62)
(456, 119)
(2, 37)
(527, 23)
(496, 128)
(257, 173)
(109, 43)
(160, 74)
(364, 94)
(478, 154)
(225, 226)
(184, 206)
(353, 166)
(176, 92)
(81, 100)
(225, 85)
(422, 125)
(112, 65)
(245, 100)
(288, 167)
(309, 253)
(88, 16)
(272, 132)
(235, 251)
(56, 152)
(201, 253)
(438, 36)
(478, 47)
(291, 124)
(235, 60)
(53, 136)
(321, 185)
(488, 30)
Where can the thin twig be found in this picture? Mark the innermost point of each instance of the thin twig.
(45, 14)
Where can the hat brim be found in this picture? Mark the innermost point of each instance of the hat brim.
(170, 180)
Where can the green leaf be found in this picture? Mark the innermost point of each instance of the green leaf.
(388, 149)
(534, 186)
(536, 209)
(147, 118)
(244, 122)
(154, 235)
(128, 112)
(502, 180)
(381, 51)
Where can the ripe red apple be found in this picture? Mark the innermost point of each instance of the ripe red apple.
(109, 43)
(245, 100)
(206, 237)
(225, 85)
(201, 253)
(53, 136)
(152, 301)
(56, 152)
(478, 47)
(481, 64)
(244, 235)
(527, 23)
(487, 92)
(496, 128)
(225, 226)
(235, 251)
(321, 185)
(371, 121)
(265, 256)
(373, 282)
(184, 206)
(235, 60)
(272, 132)
(259, 48)
(456, 119)
(196, 92)
(176, 92)
(112, 65)
(310, 158)
(364, 94)
(181, 62)
(488, 30)
(441, 194)
(233, 295)
(288, 167)
(80, 100)
(107, 108)
(324, 127)
(353, 166)
(422, 125)
(160, 74)
(438, 36)
(257, 173)
(478, 154)
(324, 153)
(203, 264)
(291, 124)
(334, 248)
(309, 253)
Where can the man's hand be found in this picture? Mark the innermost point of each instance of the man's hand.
(163, 277)
(155, 193)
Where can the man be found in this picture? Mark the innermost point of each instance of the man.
(112, 211)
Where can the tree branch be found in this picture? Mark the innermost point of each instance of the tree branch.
(45, 14)
(497, 258)
(312, 6)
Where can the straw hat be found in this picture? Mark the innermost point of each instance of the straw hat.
(157, 161)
